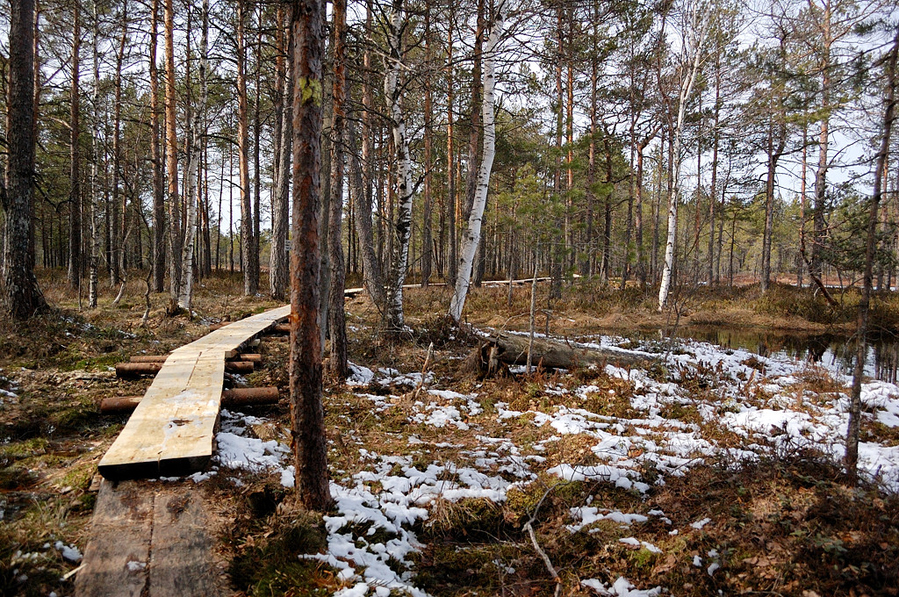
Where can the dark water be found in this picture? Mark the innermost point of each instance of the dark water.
(832, 350)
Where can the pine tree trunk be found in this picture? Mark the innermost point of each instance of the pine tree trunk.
(426, 249)
(243, 151)
(371, 269)
(171, 149)
(279, 268)
(307, 413)
(119, 200)
(75, 224)
(22, 294)
(452, 255)
(336, 315)
(855, 402)
(94, 269)
(774, 153)
(158, 250)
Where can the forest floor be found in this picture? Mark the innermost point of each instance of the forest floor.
(709, 471)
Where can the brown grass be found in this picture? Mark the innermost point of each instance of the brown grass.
(785, 525)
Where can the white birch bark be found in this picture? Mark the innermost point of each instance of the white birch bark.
(697, 27)
(472, 236)
(402, 227)
(194, 190)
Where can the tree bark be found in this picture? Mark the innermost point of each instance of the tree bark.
(197, 132)
(472, 236)
(156, 157)
(402, 226)
(371, 269)
(310, 446)
(22, 294)
(776, 142)
(693, 55)
(171, 148)
(94, 273)
(513, 349)
(250, 286)
(280, 268)
(336, 315)
(426, 249)
(855, 402)
(75, 258)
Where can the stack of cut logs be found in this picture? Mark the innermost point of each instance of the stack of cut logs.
(142, 365)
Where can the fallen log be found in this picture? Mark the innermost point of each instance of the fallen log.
(552, 354)
(160, 358)
(132, 370)
(235, 397)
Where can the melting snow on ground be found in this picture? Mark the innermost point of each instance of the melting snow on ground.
(755, 397)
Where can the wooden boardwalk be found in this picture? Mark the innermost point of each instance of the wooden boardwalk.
(171, 431)
(151, 539)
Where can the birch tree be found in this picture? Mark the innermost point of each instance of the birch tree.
(402, 225)
(697, 20)
(472, 236)
(195, 188)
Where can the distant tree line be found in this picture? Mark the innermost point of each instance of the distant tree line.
(656, 143)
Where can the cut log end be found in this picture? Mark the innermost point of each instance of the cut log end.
(236, 397)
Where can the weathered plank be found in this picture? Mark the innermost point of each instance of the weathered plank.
(148, 540)
(172, 429)
(181, 561)
(117, 555)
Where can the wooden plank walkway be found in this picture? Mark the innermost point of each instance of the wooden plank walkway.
(172, 429)
(150, 540)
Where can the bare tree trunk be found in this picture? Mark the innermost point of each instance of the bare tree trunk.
(371, 269)
(395, 321)
(819, 232)
(171, 142)
(93, 280)
(22, 294)
(713, 194)
(279, 268)
(775, 150)
(426, 250)
(473, 233)
(156, 157)
(243, 149)
(310, 444)
(855, 402)
(117, 241)
(197, 132)
(452, 257)
(336, 315)
(75, 224)
(699, 27)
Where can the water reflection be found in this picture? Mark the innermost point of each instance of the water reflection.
(834, 351)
